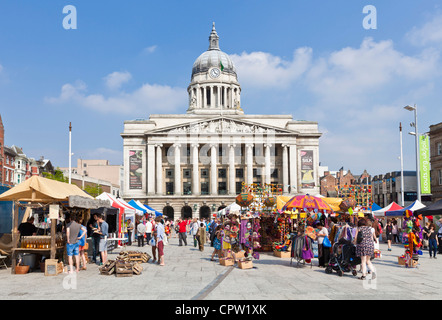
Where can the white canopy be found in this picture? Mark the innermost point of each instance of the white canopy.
(233, 207)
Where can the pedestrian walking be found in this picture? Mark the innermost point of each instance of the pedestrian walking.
(94, 230)
(433, 241)
(82, 242)
(194, 230)
(212, 229)
(182, 236)
(217, 243)
(149, 227)
(130, 229)
(395, 231)
(141, 233)
(72, 246)
(439, 235)
(104, 232)
(323, 252)
(389, 233)
(160, 236)
(201, 236)
(365, 239)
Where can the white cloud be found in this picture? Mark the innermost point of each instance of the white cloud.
(144, 100)
(429, 34)
(262, 69)
(351, 74)
(116, 79)
(150, 49)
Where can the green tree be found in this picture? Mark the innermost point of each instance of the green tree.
(94, 191)
(58, 175)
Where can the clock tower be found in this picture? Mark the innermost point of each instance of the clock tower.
(214, 87)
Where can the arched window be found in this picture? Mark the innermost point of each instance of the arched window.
(205, 212)
(169, 212)
(186, 212)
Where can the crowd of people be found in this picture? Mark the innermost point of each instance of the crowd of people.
(200, 231)
(156, 232)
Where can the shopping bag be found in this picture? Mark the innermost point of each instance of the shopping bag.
(326, 243)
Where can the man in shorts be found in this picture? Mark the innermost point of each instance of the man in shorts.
(72, 246)
(104, 230)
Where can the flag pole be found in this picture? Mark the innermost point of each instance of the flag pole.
(70, 152)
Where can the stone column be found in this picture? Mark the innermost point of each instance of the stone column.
(195, 170)
(150, 169)
(249, 162)
(159, 169)
(177, 171)
(293, 169)
(212, 102)
(285, 169)
(213, 169)
(204, 97)
(218, 91)
(267, 164)
(232, 185)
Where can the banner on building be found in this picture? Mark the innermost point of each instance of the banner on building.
(424, 150)
(307, 174)
(135, 169)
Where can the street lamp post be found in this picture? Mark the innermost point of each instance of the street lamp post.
(402, 168)
(416, 134)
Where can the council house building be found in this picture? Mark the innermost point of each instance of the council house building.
(192, 164)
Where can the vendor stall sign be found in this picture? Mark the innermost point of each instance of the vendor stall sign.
(136, 169)
(424, 150)
(307, 176)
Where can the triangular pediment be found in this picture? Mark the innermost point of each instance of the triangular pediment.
(221, 125)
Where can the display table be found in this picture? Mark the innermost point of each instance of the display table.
(114, 245)
(16, 251)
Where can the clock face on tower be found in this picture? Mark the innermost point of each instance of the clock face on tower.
(214, 73)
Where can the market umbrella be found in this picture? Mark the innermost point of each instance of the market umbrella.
(244, 199)
(433, 209)
(307, 203)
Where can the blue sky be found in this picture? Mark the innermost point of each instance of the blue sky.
(311, 59)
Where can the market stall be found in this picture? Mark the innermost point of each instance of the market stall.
(60, 198)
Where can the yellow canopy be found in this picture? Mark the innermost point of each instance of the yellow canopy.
(39, 189)
(333, 203)
(281, 201)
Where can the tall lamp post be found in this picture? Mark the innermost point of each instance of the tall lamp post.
(402, 167)
(416, 135)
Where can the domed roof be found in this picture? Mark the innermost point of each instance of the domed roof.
(213, 57)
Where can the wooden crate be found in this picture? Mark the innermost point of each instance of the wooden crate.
(137, 268)
(282, 254)
(226, 262)
(238, 255)
(245, 264)
(123, 269)
(108, 268)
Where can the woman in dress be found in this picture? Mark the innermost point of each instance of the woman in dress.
(365, 247)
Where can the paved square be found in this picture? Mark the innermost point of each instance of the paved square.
(190, 275)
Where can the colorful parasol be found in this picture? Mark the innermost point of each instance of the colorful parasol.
(244, 199)
(269, 201)
(307, 203)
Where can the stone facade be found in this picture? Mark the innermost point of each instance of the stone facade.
(192, 164)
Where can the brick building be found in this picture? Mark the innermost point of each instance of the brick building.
(436, 161)
(344, 184)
